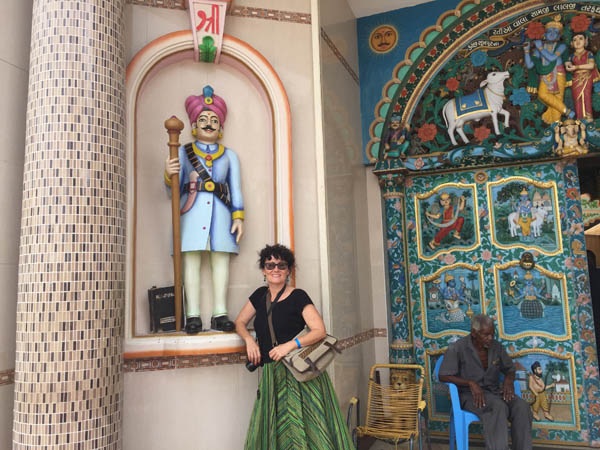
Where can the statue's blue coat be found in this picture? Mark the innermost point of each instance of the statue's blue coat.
(209, 217)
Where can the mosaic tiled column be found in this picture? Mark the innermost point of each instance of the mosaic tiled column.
(401, 349)
(68, 372)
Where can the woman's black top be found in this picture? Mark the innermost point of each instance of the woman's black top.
(286, 315)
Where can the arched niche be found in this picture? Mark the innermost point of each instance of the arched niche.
(258, 128)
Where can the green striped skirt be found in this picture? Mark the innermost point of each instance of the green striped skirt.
(290, 415)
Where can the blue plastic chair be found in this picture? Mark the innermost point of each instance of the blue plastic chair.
(459, 418)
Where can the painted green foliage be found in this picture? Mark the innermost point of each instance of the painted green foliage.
(207, 49)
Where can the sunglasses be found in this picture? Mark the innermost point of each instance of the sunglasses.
(272, 265)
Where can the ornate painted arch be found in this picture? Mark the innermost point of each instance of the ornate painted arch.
(438, 44)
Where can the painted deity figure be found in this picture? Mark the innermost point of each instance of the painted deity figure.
(570, 138)
(452, 296)
(583, 67)
(396, 142)
(546, 60)
(538, 388)
(212, 209)
(531, 307)
(451, 222)
(524, 213)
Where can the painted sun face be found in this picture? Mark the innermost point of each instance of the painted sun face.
(383, 39)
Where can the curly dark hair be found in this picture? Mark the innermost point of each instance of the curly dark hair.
(277, 251)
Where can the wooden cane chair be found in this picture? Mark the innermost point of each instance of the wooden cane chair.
(394, 409)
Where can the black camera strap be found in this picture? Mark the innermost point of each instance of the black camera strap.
(269, 308)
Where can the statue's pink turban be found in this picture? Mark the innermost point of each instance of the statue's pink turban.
(195, 104)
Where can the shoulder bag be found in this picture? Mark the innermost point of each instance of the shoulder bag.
(308, 362)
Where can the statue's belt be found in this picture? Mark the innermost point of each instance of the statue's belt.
(204, 184)
(219, 189)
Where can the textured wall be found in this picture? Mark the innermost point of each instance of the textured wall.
(68, 373)
(350, 198)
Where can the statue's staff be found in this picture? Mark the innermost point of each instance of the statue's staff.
(174, 127)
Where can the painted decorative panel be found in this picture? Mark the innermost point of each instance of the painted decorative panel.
(446, 220)
(523, 214)
(548, 383)
(532, 304)
(450, 297)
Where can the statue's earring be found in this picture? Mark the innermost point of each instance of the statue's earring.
(194, 133)
(220, 135)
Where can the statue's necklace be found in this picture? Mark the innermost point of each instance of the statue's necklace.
(209, 158)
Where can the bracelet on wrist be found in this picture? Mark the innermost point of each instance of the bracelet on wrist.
(297, 342)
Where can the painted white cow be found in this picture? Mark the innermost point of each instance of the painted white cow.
(491, 93)
(513, 226)
(539, 218)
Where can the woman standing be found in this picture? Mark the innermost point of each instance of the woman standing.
(585, 74)
(288, 414)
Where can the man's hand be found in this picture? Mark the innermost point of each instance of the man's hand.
(172, 166)
(237, 228)
(478, 398)
(508, 390)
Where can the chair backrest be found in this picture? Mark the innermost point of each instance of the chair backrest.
(436, 371)
(393, 408)
(454, 399)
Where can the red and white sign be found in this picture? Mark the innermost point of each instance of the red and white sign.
(208, 23)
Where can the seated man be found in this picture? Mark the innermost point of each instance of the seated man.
(473, 364)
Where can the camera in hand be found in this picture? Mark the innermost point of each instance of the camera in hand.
(251, 366)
